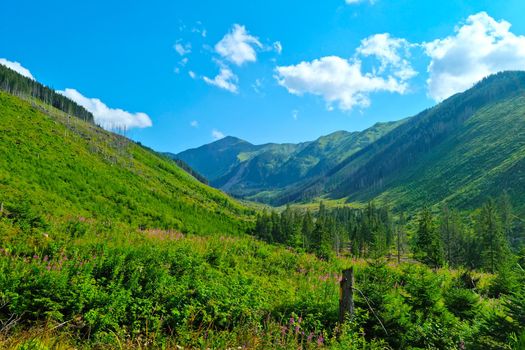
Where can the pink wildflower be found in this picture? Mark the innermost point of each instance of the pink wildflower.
(320, 340)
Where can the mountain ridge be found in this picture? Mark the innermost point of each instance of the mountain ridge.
(386, 167)
(243, 169)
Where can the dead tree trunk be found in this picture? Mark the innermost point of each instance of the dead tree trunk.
(346, 303)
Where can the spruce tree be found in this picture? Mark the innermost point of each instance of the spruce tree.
(429, 247)
(494, 246)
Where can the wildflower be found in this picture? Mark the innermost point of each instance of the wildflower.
(35, 256)
(297, 328)
(310, 337)
(320, 340)
(46, 258)
(292, 320)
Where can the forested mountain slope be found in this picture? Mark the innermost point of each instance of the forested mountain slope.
(66, 167)
(262, 171)
(465, 149)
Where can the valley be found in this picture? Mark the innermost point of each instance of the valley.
(106, 243)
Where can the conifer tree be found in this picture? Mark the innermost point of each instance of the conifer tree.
(494, 246)
(429, 248)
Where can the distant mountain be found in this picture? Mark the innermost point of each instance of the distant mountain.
(254, 171)
(465, 149)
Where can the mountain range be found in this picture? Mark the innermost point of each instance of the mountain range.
(462, 151)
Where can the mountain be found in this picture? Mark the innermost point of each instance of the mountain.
(66, 167)
(465, 149)
(262, 171)
(462, 151)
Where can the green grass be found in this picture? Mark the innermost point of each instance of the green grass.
(92, 286)
(480, 159)
(105, 244)
(69, 168)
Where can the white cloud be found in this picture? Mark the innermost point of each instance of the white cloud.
(278, 47)
(194, 124)
(216, 134)
(257, 85)
(342, 81)
(182, 49)
(337, 80)
(295, 114)
(17, 67)
(238, 46)
(391, 52)
(192, 74)
(226, 80)
(108, 118)
(199, 29)
(353, 2)
(480, 47)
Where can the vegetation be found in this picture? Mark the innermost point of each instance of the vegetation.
(92, 286)
(67, 168)
(106, 244)
(262, 171)
(461, 152)
(18, 85)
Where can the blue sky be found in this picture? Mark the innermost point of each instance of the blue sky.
(265, 71)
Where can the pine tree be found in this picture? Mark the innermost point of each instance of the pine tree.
(307, 229)
(494, 245)
(451, 231)
(429, 247)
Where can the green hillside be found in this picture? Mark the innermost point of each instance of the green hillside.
(480, 160)
(105, 244)
(18, 85)
(67, 168)
(262, 172)
(461, 151)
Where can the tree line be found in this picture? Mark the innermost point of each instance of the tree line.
(368, 232)
(489, 238)
(16, 84)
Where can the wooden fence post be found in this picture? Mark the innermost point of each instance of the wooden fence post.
(346, 303)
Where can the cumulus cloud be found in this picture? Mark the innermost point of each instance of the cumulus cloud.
(391, 52)
(337, 80)
(480, 47)
(238, 46)
(342, 81)
(226, 80)
(17, 67)
(216, 134)
(108, 118)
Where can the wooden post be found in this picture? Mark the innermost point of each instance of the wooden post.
(346, 303)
